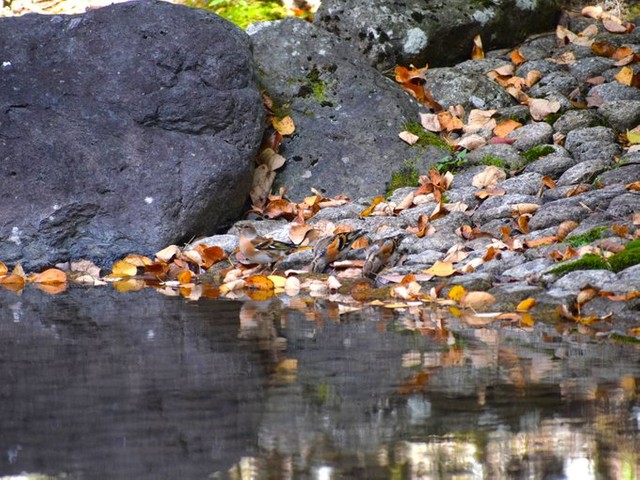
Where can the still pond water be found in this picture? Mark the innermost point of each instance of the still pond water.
(100, 384)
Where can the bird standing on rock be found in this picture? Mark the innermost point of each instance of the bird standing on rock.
(332, 248)
(380, 253)
(260, 250)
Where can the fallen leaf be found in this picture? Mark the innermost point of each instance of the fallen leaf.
(129, 285)
(123, 268)
(523, 223)
(284, 126)
(565, 228)
(635, 186)
(494, 192)
(408, 137)
(456, 293)
(449, 122)
(516, 57)
(3, 269)
(592, 11)
(526, 305)
(522, 208)
(533, 77)
(476, 300)
(471, 142)
(625, 76)
(489, 177)
(548, 182)
(185, 277)
(505, 127)
(430, 122)
(441, 269)
(477, 52)
(540, 108)
(614, 25)
(49, 276)
(168, 253)
(603, 48)
(541, 241)
(375, 202)
(259, 282)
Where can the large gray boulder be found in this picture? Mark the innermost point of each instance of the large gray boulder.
(347, 114)
(122, 130)
(437, 32)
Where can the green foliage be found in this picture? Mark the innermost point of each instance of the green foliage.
(551, 119)
(425, 138)
(632, 244)
(452, 164)
(537, 152)
(495, 161)
(586, 238)
(244, 12)
(589, 261)
(316, 87)
(407, 176)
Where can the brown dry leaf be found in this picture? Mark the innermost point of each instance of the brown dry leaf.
(622, 53)
(441, 269)
(408, 137)
(585, 295)
(635, 218)
(477, 52)
(516, 57)
(476, 300)
(533, 77)
(13, 279)
(526, 305)
(211, 255)
(284, 126)
(449, 122)
(577, 191)
(523, 223)
(593, 11)
(157, 269)
(123, 268)
(565, 228)
(548, 182)
(259, 282)
(565, 58)
(50, 276)
(614, 25)
(494, 192)
(565, 35)
(472, 141)
(603, 49)
(137, 260)
(540, 108)
(3, 269)
(489, 177)
(479, 119)
(635, 186)
(506, 70)
(168, 253)
(505, 127)
(280, 208)
(522, 208)
(541, 241)
(621, 231)
(430, 122)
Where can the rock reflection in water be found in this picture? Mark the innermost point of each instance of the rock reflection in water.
(96, 384)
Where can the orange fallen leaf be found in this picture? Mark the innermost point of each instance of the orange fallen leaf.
(50, 276)
(505, 127)
(548, 182)
(13, 279)
(367, 211)
(3, 269)
(129, 285)
(259, 282)
(477, 52)
(635, 186)
(516, 57)
(603, 48)
(185, 277)
(523, 223)
(625, 76)
(137, 260)
(541, 241)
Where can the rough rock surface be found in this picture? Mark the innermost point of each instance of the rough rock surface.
(123, 130)
(432, 31)
(347, 114)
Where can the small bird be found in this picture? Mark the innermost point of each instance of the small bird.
(261, 250)
(380, 253)
(332, 248)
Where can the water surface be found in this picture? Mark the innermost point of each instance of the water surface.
(100, 384)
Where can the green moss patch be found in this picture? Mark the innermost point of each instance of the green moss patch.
(490, 160)
(589, 261)
(425, 138)
(537, 152)
(244, 12)
(624, 259)
(629, 257)
(585, 238)
(407, 175)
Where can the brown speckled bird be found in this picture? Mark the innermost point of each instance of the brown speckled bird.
(332, 248)
(381, 253)
(260, 250)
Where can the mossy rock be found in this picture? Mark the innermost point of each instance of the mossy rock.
(537, 152)
(625, 259)
(585, 238)
(589, 261)
(426, 138)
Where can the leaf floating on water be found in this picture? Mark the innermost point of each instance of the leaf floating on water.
(123, 268)
(50, 276)
(526, 305)
(259, 282)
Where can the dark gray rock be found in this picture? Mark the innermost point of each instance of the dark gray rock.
(507, 153)
(612, 91)
(621, 175)
(123, 130)
(576, 119)
(592, 144)
(576, 281)
(524, 184)
(555, 82)
(501, 207)
(624, 205)
(532, 135)
(545, 67)
(454, 86)
(621, 114)
(427, 31)
(584, 172)
(552, 165)
(347, 114)
(589, 67)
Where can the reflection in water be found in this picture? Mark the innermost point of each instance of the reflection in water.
(95, 384)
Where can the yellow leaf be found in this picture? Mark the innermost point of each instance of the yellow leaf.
(476, 300)
(367, 211)
(50, 276)
(441, 269)
(278, 281)
(527, 320)
(288, 365)
(625, 76)
(284, 126)
(185, 276)
(129, 285)
(526, 304)
(137, 260)
(259, 282)
(456, 293)
(124, 269)
(633, 137)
